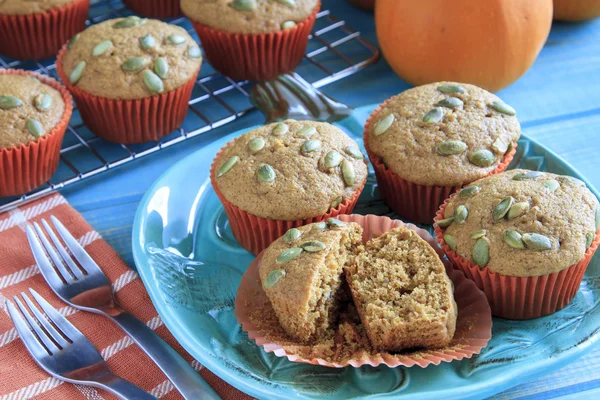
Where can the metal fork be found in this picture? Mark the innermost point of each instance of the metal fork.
(62, 351)
(80, 282)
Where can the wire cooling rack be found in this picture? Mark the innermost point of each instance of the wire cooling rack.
(334, 52)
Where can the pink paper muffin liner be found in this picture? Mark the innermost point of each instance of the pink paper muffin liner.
(473, 326)
(413, 201)
(155, 8)
(514, 297)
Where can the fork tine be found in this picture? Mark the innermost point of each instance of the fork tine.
(61, 322)
(41, 334)
(52, 332)
(55, 258)
(28, 338)
(80, 254)
(65, 256)
(42, 260)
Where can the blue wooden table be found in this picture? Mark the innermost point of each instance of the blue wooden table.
(558, 101)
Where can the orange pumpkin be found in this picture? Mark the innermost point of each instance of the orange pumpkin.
(488, 43)
(576, 10)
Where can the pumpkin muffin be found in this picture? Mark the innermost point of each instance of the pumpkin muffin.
(253, 39)
(402, 293)
(302, 275)
(140, 72)
(34, 112)
(36, 29)
(285, 175)
(532, 231)
(427, 141)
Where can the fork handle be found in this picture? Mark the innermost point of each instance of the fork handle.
(185, 378)
(123, 389)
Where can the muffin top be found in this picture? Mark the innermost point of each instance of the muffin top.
(131, 58)
(290, 170)
(20, 7)
(522, 223)
(249, 16)
(443, 134)
(29, 109)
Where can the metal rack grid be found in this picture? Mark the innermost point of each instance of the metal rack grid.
(334, 51)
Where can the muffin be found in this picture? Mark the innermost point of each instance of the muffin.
(253, 39)
(402, 293)
(140, 73)
(36, 29)
(430, 140)
(34, 113)
(302, 273)
(525, 237)
(284, 175)
(155, 8)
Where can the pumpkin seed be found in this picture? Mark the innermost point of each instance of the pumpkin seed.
(337, 201)
(444, 223)
(589, 238)
(535, 241)
(575, 181)
(290, 3)
(72, 41)
(451, 102)
(152, 81)
(469, 191)
(450, 241)
(500, 146)
(314, 246)
(291, 235)
(354, 152)
(10, 102)
(255, 145)
(147, 42)
(274, 277)
(227, 165)
(451, 147)
(332, 159)
(518, 209)
(280, 129)
(513, 239)
(503, 108)
(348, 172)
(551, 185)
(481, 252)
(448, 89)
(43, 102)
(35, 128)
(384, 124)
(478, 234)
(482, 157)
(502, 208)
(288, 255)
(320, 225)
(128, 22)
(460, 214)
(510, 147)
(175, 39)
(101, 48)
(306, 132)
(521, 176)
(134, 64)
(161, 67)
(194, 52)
(265, 173)
(77, 72)
(243, 5)
(288, 25)
(334, 222)
(597, 217)
(434, 116)
(310, 146)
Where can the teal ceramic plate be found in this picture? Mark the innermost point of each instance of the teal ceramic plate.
(192, 266)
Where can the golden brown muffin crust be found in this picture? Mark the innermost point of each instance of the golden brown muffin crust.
(13, 122)
(558, 207)
(409, 146)
(104, 75)
(21, 7)
(265, 16)
(302, 186)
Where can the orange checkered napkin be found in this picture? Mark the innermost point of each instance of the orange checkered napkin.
(20, 377)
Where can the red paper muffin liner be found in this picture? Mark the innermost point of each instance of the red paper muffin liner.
(41, 35)
(514, 297)
(412, 201)
(256, 57)
(256, 233)
(130, 121)
(155, 8)
(25, 167)
(473, 325)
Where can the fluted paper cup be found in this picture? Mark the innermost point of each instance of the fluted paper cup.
(155, 8)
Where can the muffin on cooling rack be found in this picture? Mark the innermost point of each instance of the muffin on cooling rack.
(139, 72)
(285, 175)
(32, 30)
(34, 113)
(253, 39)
(155, 8)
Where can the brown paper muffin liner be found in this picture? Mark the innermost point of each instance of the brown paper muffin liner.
(130, 121)
(41, 35)
(514, 297)
(412, 201)
(257, 57)
(25, 167)
(256, 233)
(473, 326)
(155, 8)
